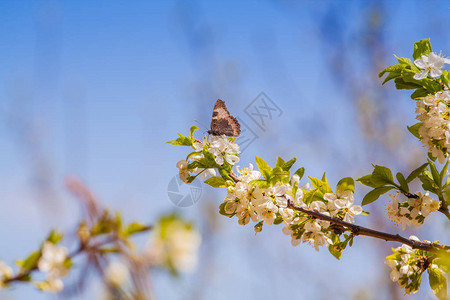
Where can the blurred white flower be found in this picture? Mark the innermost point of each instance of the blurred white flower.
(116, 273)
(52, 262)
(5, 273)
(177, 248)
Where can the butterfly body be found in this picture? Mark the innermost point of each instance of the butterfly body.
(222, 122)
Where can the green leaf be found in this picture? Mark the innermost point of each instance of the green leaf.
(427, 182)
(430, 85)
(222, 210)
(300, 172)
(382, 175)
(445, 77)
(422, 47)
(278, 220)
(193, 128)
(54, 237)
(278, 175)
(287, 166)
(336, 250)
(263, 167)
(406, 62)
(443, 171)
(419, 93)
(435, 174)
(216, 182)
(280, 162)
(375, 194)
(438, 282)
(262, 183)
(181, 140)
(414, 174)
(415, 130)
(135, 227)
(402, 84)
(345, 184)
(402, 181)
(30, 262)
(320, 185)
(367, 180)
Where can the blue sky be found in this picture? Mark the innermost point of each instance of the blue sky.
(103, 85)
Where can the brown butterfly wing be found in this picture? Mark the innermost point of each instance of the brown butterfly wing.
(222, 122)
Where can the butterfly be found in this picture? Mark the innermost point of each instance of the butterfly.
(222, 122)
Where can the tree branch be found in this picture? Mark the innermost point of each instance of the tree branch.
(364, 231)
(360, 230)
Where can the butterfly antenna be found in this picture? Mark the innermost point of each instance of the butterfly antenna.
(202, 125)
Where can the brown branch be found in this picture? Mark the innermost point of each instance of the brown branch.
(360, 230)
(21, 276)
(364, 231)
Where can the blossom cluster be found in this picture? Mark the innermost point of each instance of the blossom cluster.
(222, 148)
(434, 112)
(269, 205)
(262, 196)
(413, 210)
(53, 262)
(407, 265)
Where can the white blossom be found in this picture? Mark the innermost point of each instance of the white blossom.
(5, 273)
(116, 273)
(224, 148)
(52, 262)
(431, 63)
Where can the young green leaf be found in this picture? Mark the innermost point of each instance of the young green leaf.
(280, 162)
(222, 210)
(428, 183)
(414, 129)
(375, 194)
(216, 182)
(422, 47)
(414, 174)
(320, 185)
(367, 180)
(335, 250)
(300, 172)
(434, 172)
(279, 175)
(287, 165)
(443, 171)
(445, 77)
(402, 181)
(135, 227)
(30, 262)
(438, 282)
(382, 176)
(263, 167)
(345, 184)
(419, 93)
(193, 128)
(54, 237)
(181, 140)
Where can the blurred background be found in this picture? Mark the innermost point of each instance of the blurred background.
(95, 89)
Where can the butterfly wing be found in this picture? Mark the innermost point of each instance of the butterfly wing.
(222, 122)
